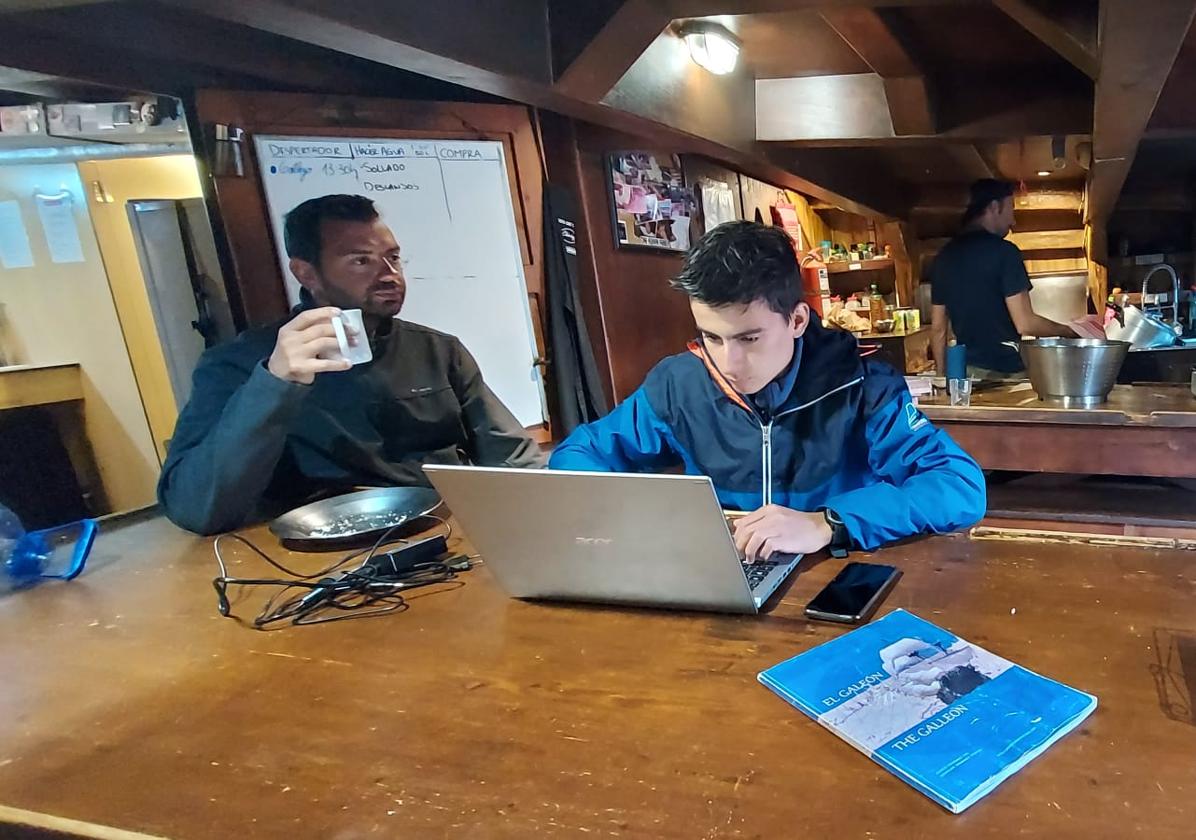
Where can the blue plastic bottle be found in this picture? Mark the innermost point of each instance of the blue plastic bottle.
(29, 556)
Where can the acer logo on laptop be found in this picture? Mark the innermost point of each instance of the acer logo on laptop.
(593, 541)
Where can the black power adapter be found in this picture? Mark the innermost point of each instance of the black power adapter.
(400, 561)
(383, 568)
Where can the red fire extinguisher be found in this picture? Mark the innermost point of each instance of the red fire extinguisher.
(814, 282)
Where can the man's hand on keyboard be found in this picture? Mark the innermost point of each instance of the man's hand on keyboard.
(773, 529)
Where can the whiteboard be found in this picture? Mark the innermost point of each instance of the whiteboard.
(449, 205)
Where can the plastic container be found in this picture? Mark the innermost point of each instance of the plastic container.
(30, 556)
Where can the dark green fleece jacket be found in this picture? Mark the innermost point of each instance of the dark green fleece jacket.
(249, 445)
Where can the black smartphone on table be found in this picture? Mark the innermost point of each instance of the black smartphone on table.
(854, 594)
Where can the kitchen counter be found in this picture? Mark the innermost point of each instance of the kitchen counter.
(1143, 430)
(1161, 364)
(1128, 405)
(22, 386)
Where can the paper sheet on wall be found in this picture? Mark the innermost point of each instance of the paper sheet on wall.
(58, 224)
(718, 204)
(681, 232)
(14, 239)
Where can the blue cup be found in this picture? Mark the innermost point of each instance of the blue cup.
(957, 361)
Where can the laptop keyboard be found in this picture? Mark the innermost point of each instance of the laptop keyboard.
(756, 572)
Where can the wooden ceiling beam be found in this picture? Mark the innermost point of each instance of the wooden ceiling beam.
(911, 106)
(611, 53)
(1170, 133)
(953, 199)
(849, 111)
(837, 170)
(876, 37)
(205, 43)
(893, 142)
(1048, 240)
(44, 86)
(1137, 51)
(1050, 200)
(1038, 240)
(412, 42)
(1176, 197)
(707, 8)
(1055, 35)
(39, 5)
(36, 51)
(873, 36)
(412, 36)
(972, 162)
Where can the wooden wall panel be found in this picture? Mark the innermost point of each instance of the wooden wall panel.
(645, 319)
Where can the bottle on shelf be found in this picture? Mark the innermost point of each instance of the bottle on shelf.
(876, 304)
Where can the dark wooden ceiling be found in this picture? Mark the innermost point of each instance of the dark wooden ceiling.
(1176, 108)
(147, 47)
(783, 45)
(978, 40)
(969, 41)
(1163, 166)
(975, 87)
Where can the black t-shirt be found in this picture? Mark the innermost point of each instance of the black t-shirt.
(972, 276)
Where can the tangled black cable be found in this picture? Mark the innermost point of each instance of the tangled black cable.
(353, 594)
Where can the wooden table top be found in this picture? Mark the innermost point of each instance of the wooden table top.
(1171, 406)
(129, 702)
(22, 386)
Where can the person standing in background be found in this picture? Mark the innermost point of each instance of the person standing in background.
(981, 291)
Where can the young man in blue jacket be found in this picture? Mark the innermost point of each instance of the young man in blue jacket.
(824, 449)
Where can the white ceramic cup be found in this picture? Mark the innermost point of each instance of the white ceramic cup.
(358, 352)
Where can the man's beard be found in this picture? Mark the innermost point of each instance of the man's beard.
(331, 295)
(390, 305)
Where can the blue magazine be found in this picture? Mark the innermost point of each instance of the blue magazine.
(948, 717)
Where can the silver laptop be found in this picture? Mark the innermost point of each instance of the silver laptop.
(650, 540)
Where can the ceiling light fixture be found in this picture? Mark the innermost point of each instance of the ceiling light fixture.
(711, 46)
(1042, 173)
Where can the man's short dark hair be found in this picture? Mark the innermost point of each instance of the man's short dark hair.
(983, 193)
(302, 226)
(742, 262)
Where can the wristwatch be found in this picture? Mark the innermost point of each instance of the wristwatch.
(840, 542)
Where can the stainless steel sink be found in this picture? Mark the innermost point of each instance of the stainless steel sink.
(1161, 364)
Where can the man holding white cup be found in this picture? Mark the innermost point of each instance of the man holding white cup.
(291, 412)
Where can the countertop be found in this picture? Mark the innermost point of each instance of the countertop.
(1171, 406)
(22, 386)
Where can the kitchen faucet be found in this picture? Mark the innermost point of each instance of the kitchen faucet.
(1173, 301)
